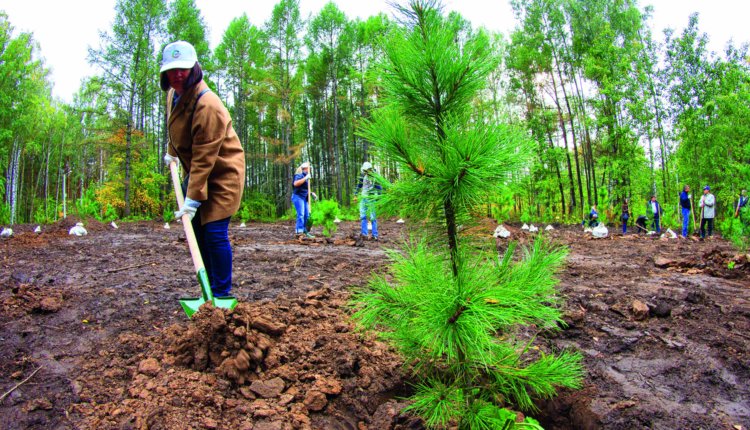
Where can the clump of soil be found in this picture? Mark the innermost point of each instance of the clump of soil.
(25, 299)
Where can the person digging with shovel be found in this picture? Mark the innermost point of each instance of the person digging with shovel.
(301, 200)
(201, 139)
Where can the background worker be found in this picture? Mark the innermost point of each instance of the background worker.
(741, 203)
(655, 209)
(708, 210)
(685, 206)
(625, 214)
(368, 189)
(301, 188)
(202, 140)
(593, 217)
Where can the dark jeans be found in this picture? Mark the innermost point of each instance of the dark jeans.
(213, 242)
(656, 225)
(710, 222)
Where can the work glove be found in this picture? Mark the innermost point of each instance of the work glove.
(189, 208)
(168, 159)
(690, 196)
(314, 196)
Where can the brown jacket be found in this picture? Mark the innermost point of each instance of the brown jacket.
(209, 150)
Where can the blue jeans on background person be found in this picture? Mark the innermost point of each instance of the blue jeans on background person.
(624, 225)
(213, 242)
(655, 224)
(364, 207)
(303, 213)
(685, 221)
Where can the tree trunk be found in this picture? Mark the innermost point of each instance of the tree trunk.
(565, 140)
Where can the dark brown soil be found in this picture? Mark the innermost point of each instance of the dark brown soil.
(662, 325)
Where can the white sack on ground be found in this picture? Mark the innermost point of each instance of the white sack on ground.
(600, 231)
(78, 230)
(525, 227)
(501, 231)
(533, 228)
(7, 232)
(549, 228)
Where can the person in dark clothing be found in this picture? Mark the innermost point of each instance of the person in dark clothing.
(593, 217)
(741, 203)
(685, 206)
(625, 215)
(641, 223)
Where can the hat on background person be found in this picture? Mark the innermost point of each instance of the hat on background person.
(178, 55)
(366, 166)
(707, 188)
(305, 165)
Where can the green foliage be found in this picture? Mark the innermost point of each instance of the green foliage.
(87, 206)
(501, 204)
(454, 313)
(45, 212)
(257, 207)
(4, 213)
(90, 205)
(525, 217)
(737, 230)
(324, 213)
(449, 326)
(168, 214)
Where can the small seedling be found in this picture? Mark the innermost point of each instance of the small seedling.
(730, 265)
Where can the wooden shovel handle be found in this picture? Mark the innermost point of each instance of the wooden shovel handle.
(186, 223)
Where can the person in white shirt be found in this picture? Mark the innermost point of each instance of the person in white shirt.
(708, 212)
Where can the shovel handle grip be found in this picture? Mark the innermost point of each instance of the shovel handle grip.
(186, 223)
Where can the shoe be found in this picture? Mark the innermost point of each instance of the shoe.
(309, 236)
(375, 238)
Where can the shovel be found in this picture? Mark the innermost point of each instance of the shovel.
(309, 223)
(191, 305)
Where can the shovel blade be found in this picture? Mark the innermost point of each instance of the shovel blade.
(191, 306)
(228, 302)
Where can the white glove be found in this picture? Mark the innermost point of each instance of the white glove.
(188, 208)
(690, 196)
(168, 159)
(308, 177)
(314, 196)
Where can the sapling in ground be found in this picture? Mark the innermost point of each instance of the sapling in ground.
(464, 319)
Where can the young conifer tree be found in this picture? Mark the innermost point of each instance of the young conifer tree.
(457, 314)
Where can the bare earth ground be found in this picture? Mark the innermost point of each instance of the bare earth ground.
(662, 325)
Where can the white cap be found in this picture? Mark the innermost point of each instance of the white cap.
(305, 165)
(178, 55)
(366, 166)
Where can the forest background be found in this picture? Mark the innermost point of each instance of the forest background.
(613, 111)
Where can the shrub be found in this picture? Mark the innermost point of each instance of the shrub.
(324, 213)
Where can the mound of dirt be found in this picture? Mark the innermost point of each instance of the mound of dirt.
(286, 364)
